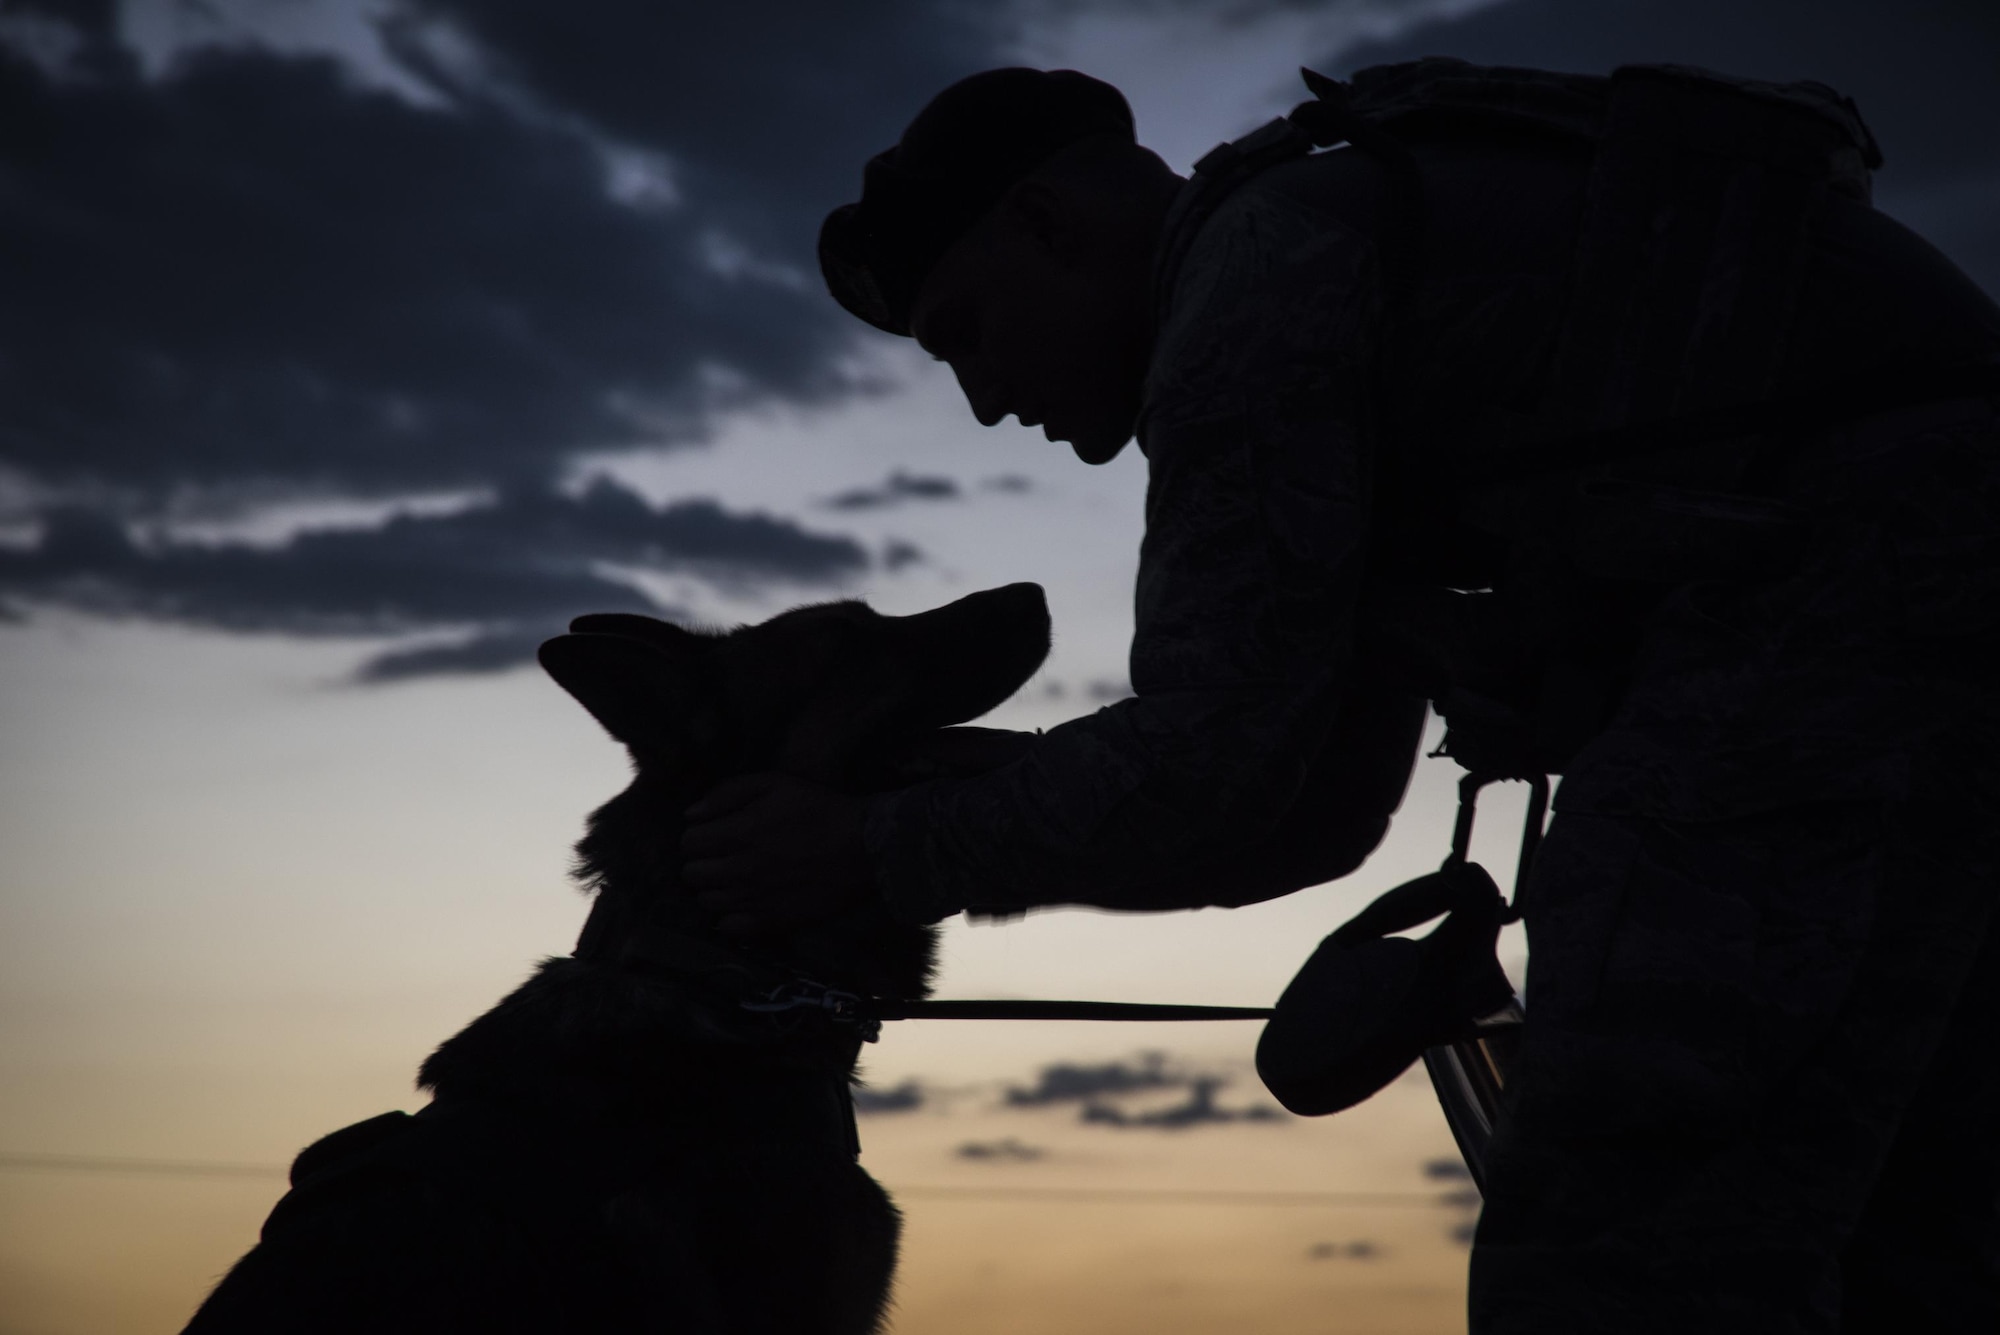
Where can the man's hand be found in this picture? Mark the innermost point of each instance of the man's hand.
(765, 852)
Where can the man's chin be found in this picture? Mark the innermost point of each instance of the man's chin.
(1101, 447)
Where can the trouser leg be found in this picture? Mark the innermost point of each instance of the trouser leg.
(1926, 1255)
(1728, 1022)
(1753, 1086)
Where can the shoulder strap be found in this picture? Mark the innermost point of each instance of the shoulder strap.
(1331, 118)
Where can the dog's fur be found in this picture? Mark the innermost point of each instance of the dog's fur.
(619, 1145)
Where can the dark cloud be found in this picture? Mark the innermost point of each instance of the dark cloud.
(906, 1097)
(514, 569)
(254, 272)
(1359, 1250)
(1068, 1082)
(493, 650)
(898, 554)
(1923, 72)
(1198, 1109)
(248, 277)
(1096, 1085)
(1447, 1170)
(768, 109)
(255, 269)
(1008, 1150)
(1015, 484)
(1464, 1197)
(899, 487)
(1102, 690)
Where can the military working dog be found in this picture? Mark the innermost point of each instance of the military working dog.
(645, 1136)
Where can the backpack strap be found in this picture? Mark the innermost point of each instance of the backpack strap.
(1332, 117)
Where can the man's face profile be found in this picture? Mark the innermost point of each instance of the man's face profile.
(1038, 321)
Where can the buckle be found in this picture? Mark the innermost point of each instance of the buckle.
(832, 1004)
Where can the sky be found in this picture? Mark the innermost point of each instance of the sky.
(351, 346)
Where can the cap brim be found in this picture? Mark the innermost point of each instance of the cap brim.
(843, 263)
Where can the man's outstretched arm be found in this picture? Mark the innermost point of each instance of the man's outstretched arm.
(1196, 791)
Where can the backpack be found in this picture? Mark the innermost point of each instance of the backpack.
(1688, 266)
(1689, 256)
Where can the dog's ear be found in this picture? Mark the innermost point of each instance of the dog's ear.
(972, 654)
(645, 691)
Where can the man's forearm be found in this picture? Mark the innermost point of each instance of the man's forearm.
(1337, 820)
(1013, 841)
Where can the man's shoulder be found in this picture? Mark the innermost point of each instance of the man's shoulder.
(1270, 221)
(1275, 273)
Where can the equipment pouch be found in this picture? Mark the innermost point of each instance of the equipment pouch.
(1368, 1004)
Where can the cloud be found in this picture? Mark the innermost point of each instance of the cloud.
(1102, 690)
(487, 651)
(1067, 1082)
(1359, 1250)
(905, 1097)
(498, 241)
(1013, 484)
(255, 273)
(1096, 1085)
(767, 109)
(899, 487)
(1198, 1109)
(1008, 1150)
(256, 268)
(1464, 1197)
(1922, 73)
(514, 569)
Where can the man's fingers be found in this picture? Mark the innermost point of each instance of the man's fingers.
(719, 835)
(728, 877)
(732, 794)
(771, 913)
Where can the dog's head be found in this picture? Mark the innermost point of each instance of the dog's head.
(831, 692)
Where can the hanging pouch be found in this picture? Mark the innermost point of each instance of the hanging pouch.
(1368, 1003)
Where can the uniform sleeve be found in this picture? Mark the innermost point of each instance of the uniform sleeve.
(1255, 432)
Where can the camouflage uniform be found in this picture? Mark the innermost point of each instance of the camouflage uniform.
(1751, 1095)
(1763, 972)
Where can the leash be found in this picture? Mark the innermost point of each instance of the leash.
(1061, 1010)
(868, 1014)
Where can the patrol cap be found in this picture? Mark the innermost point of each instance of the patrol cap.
(957, 159)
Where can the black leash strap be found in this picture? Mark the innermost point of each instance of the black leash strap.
(1058, 1010)
(801, 997)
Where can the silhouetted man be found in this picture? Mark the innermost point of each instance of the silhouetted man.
(1611, 418)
